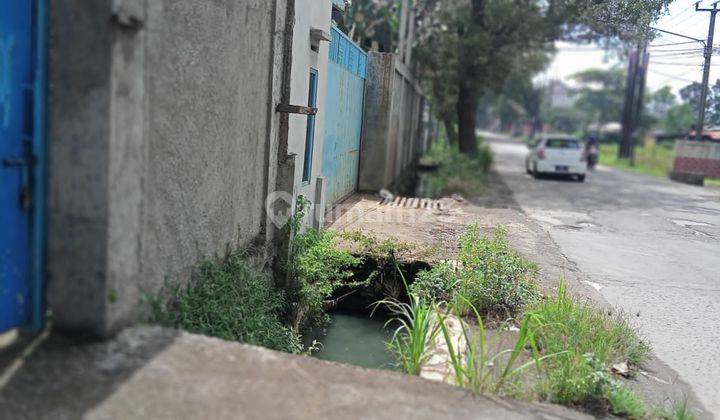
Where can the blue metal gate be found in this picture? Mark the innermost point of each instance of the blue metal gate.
(22, 82)
(343, 116)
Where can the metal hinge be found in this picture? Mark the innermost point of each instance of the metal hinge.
(296, 109)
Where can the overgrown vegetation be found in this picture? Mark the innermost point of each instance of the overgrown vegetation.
(493, 277)
(228, 298)
(316, 268)
(562, 352)
(593, 340)
(655, 160)
(483, 368)
(456, 172)
(233, 299)
(490, 276)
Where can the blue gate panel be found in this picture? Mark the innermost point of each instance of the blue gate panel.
(343, 116)
(16, 81)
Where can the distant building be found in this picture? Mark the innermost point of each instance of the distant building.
(559, 95)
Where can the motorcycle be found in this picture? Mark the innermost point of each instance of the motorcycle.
(592, 157)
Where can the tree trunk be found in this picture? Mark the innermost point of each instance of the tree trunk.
(467, 104)
(450, 131)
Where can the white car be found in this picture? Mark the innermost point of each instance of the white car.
(557, 154)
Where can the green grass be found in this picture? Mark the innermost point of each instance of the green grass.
(483, 368)
(649, 160)
(230, 299)
(712, 182)
(563, 352)
(656, 160)
(417, 328)
(678, 411)
(456, 173)
(593, 340)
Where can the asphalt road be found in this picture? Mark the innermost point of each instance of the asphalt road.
(651, 246)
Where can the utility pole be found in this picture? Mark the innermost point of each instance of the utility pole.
(706, 67)
(626, 134)
(642, 67)
(632, 108)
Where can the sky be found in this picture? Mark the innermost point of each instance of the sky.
(672, 64)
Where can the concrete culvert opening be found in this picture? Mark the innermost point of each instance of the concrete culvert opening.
(356, 332)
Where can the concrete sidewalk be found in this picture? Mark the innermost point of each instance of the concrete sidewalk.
(156, 373)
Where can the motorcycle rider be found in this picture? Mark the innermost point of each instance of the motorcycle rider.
(592, 151)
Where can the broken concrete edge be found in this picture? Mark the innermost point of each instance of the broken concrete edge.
(439, 366)
(154, 372)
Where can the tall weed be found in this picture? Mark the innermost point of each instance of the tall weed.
(483, 369)
(417, 328)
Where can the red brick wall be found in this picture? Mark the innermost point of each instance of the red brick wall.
(708, 167)
(699, 157)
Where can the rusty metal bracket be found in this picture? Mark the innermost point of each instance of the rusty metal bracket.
(296, 109)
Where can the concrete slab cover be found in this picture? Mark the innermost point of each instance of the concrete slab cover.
(151, 372)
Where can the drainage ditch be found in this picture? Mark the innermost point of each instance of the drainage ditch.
(356, 333)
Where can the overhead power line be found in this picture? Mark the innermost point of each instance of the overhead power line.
(671, 44)
(672, 77)
(667, 63)
(678, 35)
(673, 19)
(679, 28)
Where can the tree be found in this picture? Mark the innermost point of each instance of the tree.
(661, 101)
(373, 20)
(690, 95)
(564, 119)
(474, 45)
(679, 119)
(520, 100)
(602, 94)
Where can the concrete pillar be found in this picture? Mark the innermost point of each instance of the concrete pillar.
(375, 159)
(410, 38)
(403, 29)
(79, 159)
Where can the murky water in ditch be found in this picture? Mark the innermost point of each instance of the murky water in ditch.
(355, 340)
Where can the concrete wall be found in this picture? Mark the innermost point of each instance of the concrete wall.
(163, 142)
(392, 134)
(309, 14)
(697, 157)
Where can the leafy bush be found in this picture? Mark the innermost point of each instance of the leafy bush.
(317, 267)
(438, 284)
(593, 341)
(494, 278)
(230, 299)
(457, 172)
